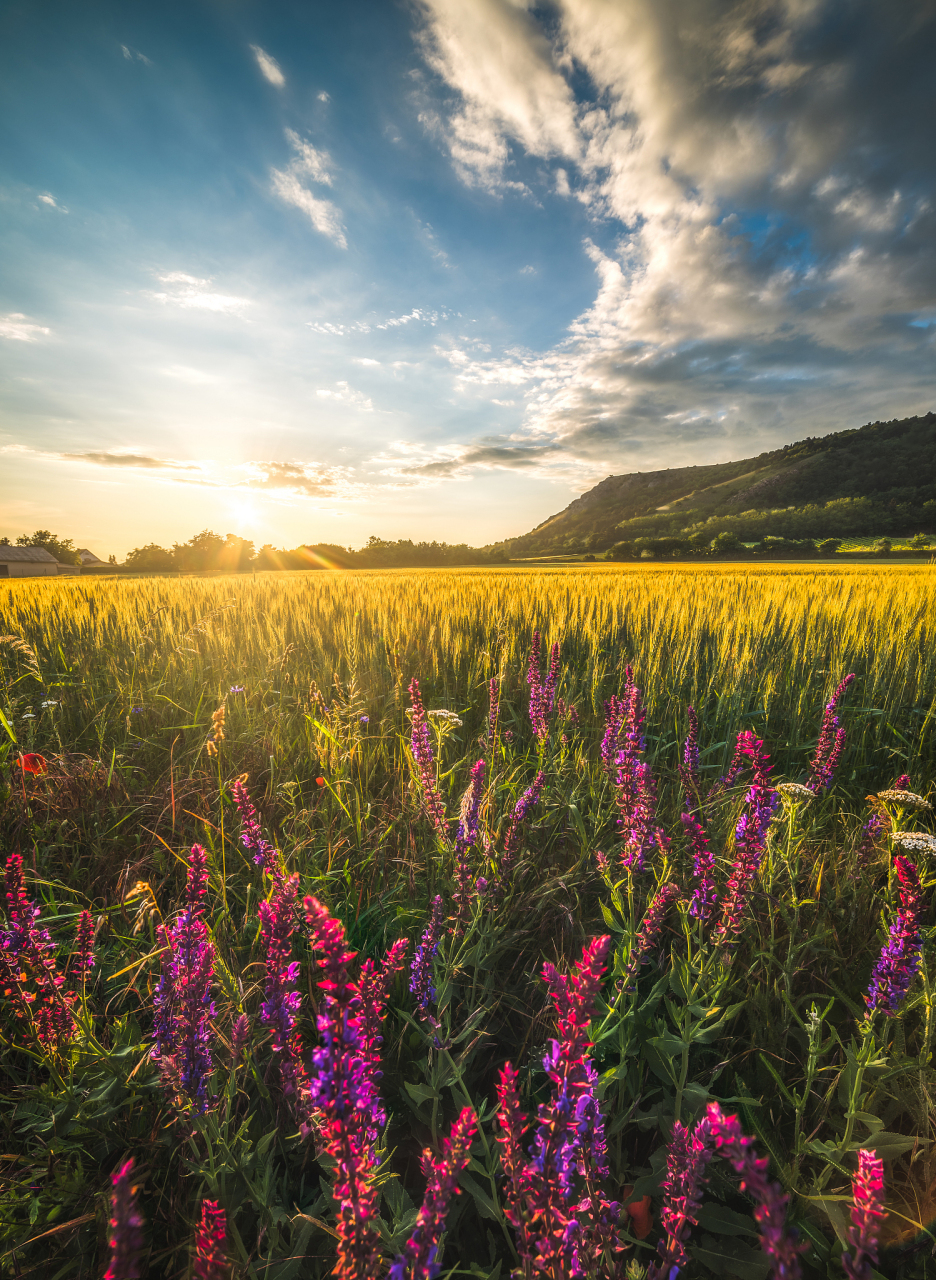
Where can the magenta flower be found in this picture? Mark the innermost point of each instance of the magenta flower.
(648, 935)
(518, 818)
(182, 1003)
(281, 999)
(375, 988)
(780, 1245)
(831, 742)
(705, 896)
(557, 1234)
(343, 1093)
(421, 984)
(750, 842)
(27, 951)
(686, 1174)
(418, 1260)
(539, 716)
(868, 1212)
(83, 954)
(493, 708)
(615, 718)
(210, 1255)
(125, 1233)
(635, 788)
(263, 853)
(900, 957)
(466, 836)
(689, 768)
(424, 759)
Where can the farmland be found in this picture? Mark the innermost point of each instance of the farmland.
(545, 803)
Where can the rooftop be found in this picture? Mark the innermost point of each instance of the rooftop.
(34, 554)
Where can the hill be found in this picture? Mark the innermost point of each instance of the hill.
(873, 480)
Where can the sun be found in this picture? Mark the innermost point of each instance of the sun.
(243, 511)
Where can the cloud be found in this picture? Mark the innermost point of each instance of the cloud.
(16, 327)
(134, 55)
(105, 459)
(192, 292)
(52, 202)
(312, 165)
(323, 96)
(347, 395)
(268, 66)
(421, 315)
(766, 173)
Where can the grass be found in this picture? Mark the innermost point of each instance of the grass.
(115, 683)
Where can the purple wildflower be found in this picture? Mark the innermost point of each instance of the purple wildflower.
(750, 842)
(210, 1259)
(418, 1260)
(421, 981)
(530, 797)
(538, 710)
(264, 855)
(900, 958)
(686, 1163)
(281, 999)
(236, 688)
(780, 1245)
(364, 720)
(125, 1234)
(871, 832)
(424, 759)
(375, 988)
(634, 784)
(705, 896)
(689, 769)
(240, 1036)
(831, 741)
(182, 1003)
(867, 1213)
(903, 783)
(467, 835)
(651, 926)
(615, 716)
(551, 682)
(83, 954)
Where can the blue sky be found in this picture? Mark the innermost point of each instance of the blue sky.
(309, 272)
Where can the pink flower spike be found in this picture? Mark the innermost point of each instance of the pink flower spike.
(867, 1214)
(210, 1260)
(125, 1228)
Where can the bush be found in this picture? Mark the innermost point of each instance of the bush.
(727, 541)
(920, 542)
(829, 546)
(883, 547)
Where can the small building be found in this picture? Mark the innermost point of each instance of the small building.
(90, 560)
(27, 562)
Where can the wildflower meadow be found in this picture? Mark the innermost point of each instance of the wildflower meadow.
(496, 923)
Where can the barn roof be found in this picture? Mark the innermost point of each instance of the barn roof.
(32, 554)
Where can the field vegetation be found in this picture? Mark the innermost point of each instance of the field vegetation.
(575, 879)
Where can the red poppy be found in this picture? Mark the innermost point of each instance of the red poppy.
(320, 782)
(32, 762)
(639, 1213)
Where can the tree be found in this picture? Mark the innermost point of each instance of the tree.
(883, 547)
(830, 546)
(919, 542)
(62, 549)
(727, 541)
(149, 559)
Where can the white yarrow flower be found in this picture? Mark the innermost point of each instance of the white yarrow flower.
(909, 799)
(921, 841)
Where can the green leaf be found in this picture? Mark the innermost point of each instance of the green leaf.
(610, 919)
(420, 1092)
(725, 1222)
(486, 1206)
(6, 724)
(731, 1258)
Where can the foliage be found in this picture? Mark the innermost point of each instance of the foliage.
(648, 1011)
(62, 549)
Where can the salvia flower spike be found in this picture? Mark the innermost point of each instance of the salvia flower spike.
(831, 741)
(424, 760)
(900, 957)
(262, 852)
(125, 1228)
(648, 935)
(210, 1261)
(422, 986)
(867, 1214)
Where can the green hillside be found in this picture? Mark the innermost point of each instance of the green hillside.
(876, 480)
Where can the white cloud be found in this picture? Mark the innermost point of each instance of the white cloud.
(323, 96)
(52, 202)
(312, 165)
(194, 293)
(16, 327)
(268, 66)
(347, 395)
(134, 55)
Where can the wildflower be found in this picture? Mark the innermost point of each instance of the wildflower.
(375, 988)
(210, 1260)
(900, 957)
(909, 799)
(364, 720)
(50, 702)
(795, 791)
(921, 841)
(902, 783)
(553, 1230)
(125, 1234)
(264, 855)
(448, 717)
(867, 1213)
(281, 999)
(601, 862)
(705, 896)
(137, 711)
(28, 715)
(33, 762)
(83, 954)
(421, 982)
(650, 928)
(831, 741)
(542, 693)
(530, 797)
(465, 838)
(689, 769)
(320, 782)
(237, 688)
(182, 1003)
(615, 716)
(870, 833)
(27, 951)
(750, 842)
(493, 707)
(418, 1259)
(636, 790)
(424, 759)
(780, 1245)
(342, 1088)
(240, 1035)
(687, 1160)
(217, 731)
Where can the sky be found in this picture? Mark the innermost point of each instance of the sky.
(311, 272)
